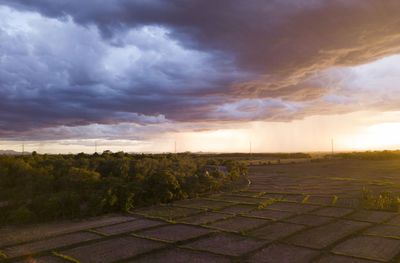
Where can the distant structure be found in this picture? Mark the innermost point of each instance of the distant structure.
(95, 147)
(332, 146)
(210, 168)
(175, 146)
(23, 149)
(250, 147)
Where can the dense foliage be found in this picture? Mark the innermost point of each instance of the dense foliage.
(46, 187)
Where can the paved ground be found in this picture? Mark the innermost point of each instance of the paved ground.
(279, 218)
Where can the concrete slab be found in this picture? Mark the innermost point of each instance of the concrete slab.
(228, 244)
(284, 254)
(249, 193)
(384, 231)
(241, 199)
(394, 221)
(348, 202)
(16, 234)
(44, 259)
(294, 198)
(369, 247)
(342, 259)
(173, 233)
(271, 214)
(180, 255)
(238, 223)
(322, 236)
(273, 196)
(48, 244)
(292, 207)
(275, 230)
(112, 249)
(323, 200)
(203, 218)
(238, 209)
(309, 220)
(201, 203)
(168, 212)
(333, 211)
(371, 216)
(129, 226)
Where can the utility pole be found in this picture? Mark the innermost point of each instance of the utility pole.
(23, 149)
(95, 147)
(250, 147)
(332, 146)
(175, 147)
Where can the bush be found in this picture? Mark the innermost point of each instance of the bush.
(68, 186)
(21, 215)
(385, 200)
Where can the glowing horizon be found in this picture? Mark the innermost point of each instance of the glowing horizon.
(296, 136)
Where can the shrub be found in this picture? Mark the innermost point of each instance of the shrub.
(21, 215)
(385, 200)
(68, 186)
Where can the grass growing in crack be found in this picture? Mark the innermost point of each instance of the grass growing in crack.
(2, 256)
(335, 198)
(268, 202)
(259, 194)
(305, 199)
(65, 257)
(385, 200)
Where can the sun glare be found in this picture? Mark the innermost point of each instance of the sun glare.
(379, 136)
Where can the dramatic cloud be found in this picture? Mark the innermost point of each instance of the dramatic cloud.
(66, 64)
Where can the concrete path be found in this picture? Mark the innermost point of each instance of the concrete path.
(279, 218)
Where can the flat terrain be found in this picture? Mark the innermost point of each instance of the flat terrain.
(302, 212)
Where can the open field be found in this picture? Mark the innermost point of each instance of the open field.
(341, 177)
(302, 212)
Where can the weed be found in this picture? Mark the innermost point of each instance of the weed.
(65, 257)
(2, 255)
(266, 203)
(259, 194)
(385, 200)
(305, 199)
(335, 198)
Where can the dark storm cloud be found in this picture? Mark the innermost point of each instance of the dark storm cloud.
(277, 37)
(66, 75)
(181, 60)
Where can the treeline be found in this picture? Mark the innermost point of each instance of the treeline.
(369, 155)
(47, 187)
(258, 155)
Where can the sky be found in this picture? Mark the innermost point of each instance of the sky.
(211, 76)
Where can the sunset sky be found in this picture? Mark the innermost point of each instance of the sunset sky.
(212, 76)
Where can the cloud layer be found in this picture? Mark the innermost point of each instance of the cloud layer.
(152, 62)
